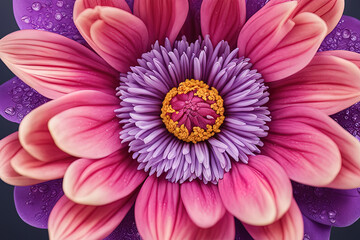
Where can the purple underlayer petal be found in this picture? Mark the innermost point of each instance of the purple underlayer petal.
(34, 203)
(240, 231)
(18, 99)
(315, 231)
(252, 6)
(345, 36)
(333, 207)
(191, 28)
(50, 15)
(127, 229)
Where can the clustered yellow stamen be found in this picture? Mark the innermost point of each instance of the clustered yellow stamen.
(203, 91)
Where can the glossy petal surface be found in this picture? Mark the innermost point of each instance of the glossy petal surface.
(18, 99)
(49, 15)
(314, 230)
(328, 206)
(34, 203)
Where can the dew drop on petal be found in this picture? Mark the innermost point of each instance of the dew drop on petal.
(36, 6)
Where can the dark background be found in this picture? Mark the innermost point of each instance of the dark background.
(11, 226)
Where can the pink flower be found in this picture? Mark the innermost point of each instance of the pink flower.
(199, 141)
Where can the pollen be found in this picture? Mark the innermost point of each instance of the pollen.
(193, 111)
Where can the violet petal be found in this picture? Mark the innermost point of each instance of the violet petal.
(327, 206)
(50, 15)
(127, 229)
(315, 231)
(240, 231)
(18, 99)
(191, 28)
(345, 36)
(34, 203)
(252, 6)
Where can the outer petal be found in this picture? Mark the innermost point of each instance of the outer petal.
(34, 203)
(300, 147)
(90, 131)
(349, 175)
(116, 35)
(163, 18)
(58, 64)
(290, 226)
(202, 202)
(346, 36)
(258, 193)
(223, 20)
(328, 83)
(82, 5)
(69, 220)
(33, 131)
(102, 181)
(328, 206)
(160, 214)
(314, 230)
(347, 55)
(282, 46)
(18, 99)
(9, 147)
(51, 15)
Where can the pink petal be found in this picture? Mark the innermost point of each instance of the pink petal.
(82, 5)
(290, 226)
(298, 144)
(202, 202)
(116, 35)
(9, 147)
(349, 146)
(160, 214)
(328, 83)
(257, 193)
(55, 65)
(329, 10)
(102, 181)
(277, 45)
(88, 131)
(69, 220)
(222, 20)
(163, 18)
(34, 133)
(347, 55)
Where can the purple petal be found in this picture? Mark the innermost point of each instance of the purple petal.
(327, 206)
(252, 6)
(315, 231)
(345, 36)
(127, 229)
(18, 99)
(350, 119)
(191, 28)
(50, 15)
(130, 3)
(34, 203)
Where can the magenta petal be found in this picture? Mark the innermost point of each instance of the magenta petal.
(314, 230)
(50, 15)
(345, 36)
(18, 99)
(127, 229)
(34, 203)
(328, 206)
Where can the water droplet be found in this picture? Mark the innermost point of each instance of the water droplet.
(53, 193)
(353, 38)
(34, 188)
(346, 34)
(332, 220)
(322, 215)
(38, 216)
(306, 237)
(28, 202)
(332, 214)
(60, 3)
(44, 188)
(58, 16)
(49, 25)
(26, 19)
(36, 6)
(10, 111)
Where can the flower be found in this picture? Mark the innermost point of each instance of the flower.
(75, 136)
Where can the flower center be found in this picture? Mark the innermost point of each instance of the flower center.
(193, 112)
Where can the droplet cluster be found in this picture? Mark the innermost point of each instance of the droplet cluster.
(24, 99)
(350, 119)
(53, 16)
(343, 37)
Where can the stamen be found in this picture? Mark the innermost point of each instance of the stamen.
(193, 112)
